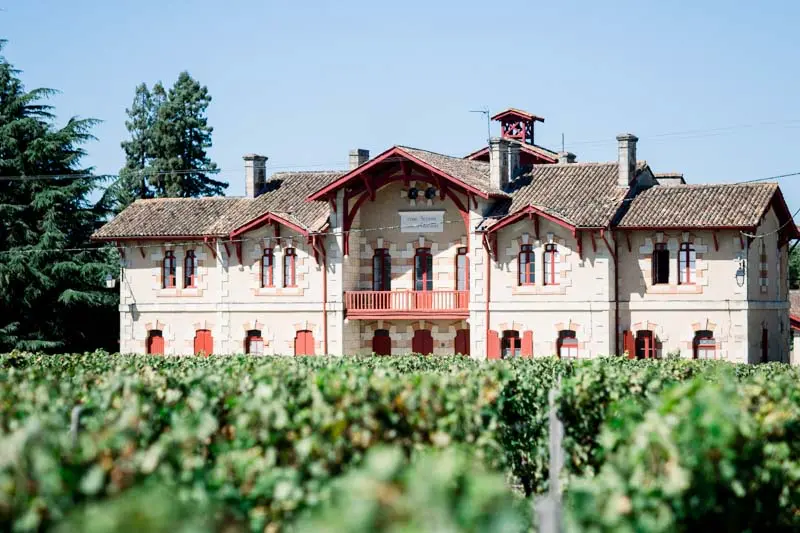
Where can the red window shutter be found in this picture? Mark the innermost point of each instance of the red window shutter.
(628, 344)
(493, 345)
(526, 350)
(155, 344)
(304, 343)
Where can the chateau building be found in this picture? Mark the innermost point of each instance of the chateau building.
(513, 250)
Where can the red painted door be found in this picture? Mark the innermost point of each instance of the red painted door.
(381, 342)
(493, 345)
(422, 342)
(645, 345)
(155, 343)
(628, 344)
(304, 343)
(203, 342)
(462, 342)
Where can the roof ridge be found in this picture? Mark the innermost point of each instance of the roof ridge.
(176, 199)
(310, 172)
(710, 185)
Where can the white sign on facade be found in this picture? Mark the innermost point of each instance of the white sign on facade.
(421, 221)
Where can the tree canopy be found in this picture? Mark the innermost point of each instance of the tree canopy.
(52, 295)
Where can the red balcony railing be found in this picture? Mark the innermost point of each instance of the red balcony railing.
(406, 304)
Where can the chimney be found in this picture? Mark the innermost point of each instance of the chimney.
(255, 174)
(513, 161)
(627, 159)
(358, 157)
(498, 162)
(566, 157)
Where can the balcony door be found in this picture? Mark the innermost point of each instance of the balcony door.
(422, 342)
(423, 278)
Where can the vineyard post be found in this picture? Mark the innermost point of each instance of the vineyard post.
(549, 507)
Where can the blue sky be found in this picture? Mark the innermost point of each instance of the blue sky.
(304, 82)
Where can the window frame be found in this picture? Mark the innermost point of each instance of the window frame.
(190, 270)
(659, 248)
(512, 341)
(687, 264)
(268, 268)
(289, 268)
(253, 335)
(526, 266)
(462, 279)
(550, 260)
(382, 263)
(169, 267)
(426, 279)
(699, 347)
(569, 339)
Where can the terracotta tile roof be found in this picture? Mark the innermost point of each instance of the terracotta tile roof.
(581, 194)
(794, 302)
(738, 205)
(473, 173)
(285, 195)
(534, 149)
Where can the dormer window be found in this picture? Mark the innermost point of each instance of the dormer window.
(168, 267)
(551, 259)
(526, 265)
(289, 262)
(190, 270)
(686, 264)
(660, 264)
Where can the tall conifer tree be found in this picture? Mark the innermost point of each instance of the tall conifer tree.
(51, 287)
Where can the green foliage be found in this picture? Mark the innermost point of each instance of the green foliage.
(445, 491)
(51, 295)
(166, 153)
(263, 439)
(794, 269)
(715, 456)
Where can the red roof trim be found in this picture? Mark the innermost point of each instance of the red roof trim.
(394, 151)
(517, 113)
(794, 322)
(523, 213)
(779, 203)
(265, 219)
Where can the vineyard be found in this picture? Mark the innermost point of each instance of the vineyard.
(101, 442)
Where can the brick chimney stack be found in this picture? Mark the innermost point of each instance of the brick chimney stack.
(627, 159)
(255, 174)
(566, 157)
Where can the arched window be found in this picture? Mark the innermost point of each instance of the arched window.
(155, 342)
(423, 270)
(462, 269)
(704, 345)
(660, 264)
(267, 268)
(551, 259)
(168, 267)
(567, 344)
(289, 262)
(381, 270)
(510, 345)
(190, 270)
(686, 264)
(253, 342)
(526, 265)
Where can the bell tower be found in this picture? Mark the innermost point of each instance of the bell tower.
(517, 124)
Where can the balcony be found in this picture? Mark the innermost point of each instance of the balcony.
(406, 304)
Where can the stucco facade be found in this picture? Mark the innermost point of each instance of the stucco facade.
(502, 265)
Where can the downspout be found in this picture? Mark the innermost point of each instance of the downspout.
(488, 291)
(614, 255)
(324, 263)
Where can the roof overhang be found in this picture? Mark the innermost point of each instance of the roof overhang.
(268, 218)
(517, 113)
(530, 212)
(150, 238)
(682, 227)
(390, 156)
(794, 321)
(787, 226)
